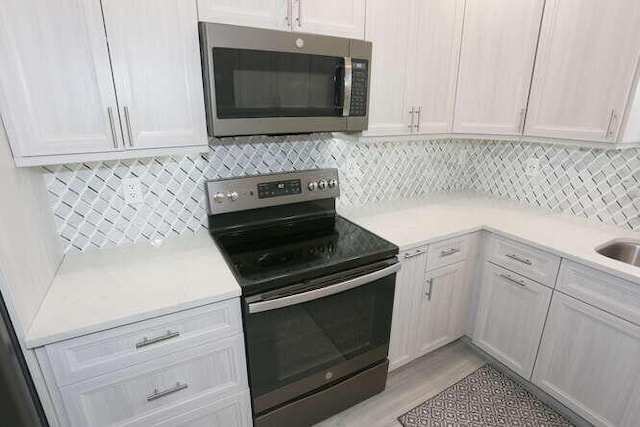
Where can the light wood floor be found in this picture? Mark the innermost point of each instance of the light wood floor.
(409, 386)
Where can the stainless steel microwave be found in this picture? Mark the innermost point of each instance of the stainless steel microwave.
(273, 82)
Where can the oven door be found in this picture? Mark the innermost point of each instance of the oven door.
(310, 335)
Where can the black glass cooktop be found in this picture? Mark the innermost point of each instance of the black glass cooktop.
(286, 253)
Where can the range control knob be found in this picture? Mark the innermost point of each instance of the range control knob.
(233, 196)
(332, 183)
(312, 185)
(218, 197)
(322, 184)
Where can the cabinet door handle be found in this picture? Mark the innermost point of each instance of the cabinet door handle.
(418, 112)
(514, 280)
(128, 123)
(521, 122)
(415, 254)
(146, 341)
(428, 293)
(299, 18)
(412, 112)
(113, 127)
(449, 252)
(287, 18)
(158, 394)
(611, 128)
(517, 258)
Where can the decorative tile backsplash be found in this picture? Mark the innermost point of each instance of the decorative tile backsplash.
(91, 213)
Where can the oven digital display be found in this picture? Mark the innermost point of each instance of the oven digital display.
(279, 188)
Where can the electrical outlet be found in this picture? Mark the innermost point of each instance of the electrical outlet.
(462, 157)
(532, 168)
(132, 191)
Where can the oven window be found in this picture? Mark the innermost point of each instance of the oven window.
(288, 344)
(255, 83)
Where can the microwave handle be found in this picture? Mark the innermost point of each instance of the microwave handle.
(348, 74)
(258, 307)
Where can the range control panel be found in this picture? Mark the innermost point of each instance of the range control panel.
(359, 87)
(258, 191)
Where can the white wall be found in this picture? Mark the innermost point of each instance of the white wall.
(30, 251)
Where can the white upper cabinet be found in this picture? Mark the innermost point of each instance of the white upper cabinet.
(496, 63)
(340, 18)
(156, 68)
(56, 91)
(271, 14)
(435, 69)
(587, 57)
(389, 28)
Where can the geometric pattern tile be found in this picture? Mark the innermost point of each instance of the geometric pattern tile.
(90, 211)
(484, 398)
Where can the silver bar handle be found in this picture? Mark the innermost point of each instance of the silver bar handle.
(412, 112)
(158, 394)
(348, 80)
(128, 123)
(299, 18)
(418, 112)
(517, 258)
(611, 128)
(513, 279)
(287, 18)
(415, 254)
(113, 127)
(257, 307)
(449, 252)
(428, 293)
(146, 341)
(521, 122)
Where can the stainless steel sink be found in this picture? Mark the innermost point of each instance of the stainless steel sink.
(628, 252)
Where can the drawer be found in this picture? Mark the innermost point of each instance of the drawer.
(214, 370)
(533, 263)
(617, 296)
(447, 252)
(231, 411)
(96, 354)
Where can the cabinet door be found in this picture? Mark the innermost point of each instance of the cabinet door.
(408, 281)
(156, 68)
(496, 64)
(389, 27)
(272, 14)
(510, 319)
(435, 64)
(584, 69)
(340, 18)
(590, 361)
(443, 296)
(56, 89)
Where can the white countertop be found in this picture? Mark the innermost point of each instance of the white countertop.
(408, 223)
(98, 290)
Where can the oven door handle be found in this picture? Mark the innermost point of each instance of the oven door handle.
(257, 307)
(348, 79)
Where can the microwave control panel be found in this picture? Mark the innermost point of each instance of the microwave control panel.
(359, 86)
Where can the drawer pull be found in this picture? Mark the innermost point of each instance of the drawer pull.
(449, 252)
(514, 280)
(146, 341)
(158, 394)
(416, 253)
(517, 258)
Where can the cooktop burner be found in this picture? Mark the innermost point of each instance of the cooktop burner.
(280, 229)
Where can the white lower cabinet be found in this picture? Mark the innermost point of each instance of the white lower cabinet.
(193, 375)
(590, 361)
(442, 308)
(510, 318)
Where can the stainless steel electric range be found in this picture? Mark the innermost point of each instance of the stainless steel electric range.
(317, 294)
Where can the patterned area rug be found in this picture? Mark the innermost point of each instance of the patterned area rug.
(484, 398)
